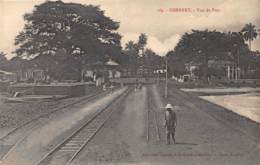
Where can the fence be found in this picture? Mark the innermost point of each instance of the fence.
(133, 80)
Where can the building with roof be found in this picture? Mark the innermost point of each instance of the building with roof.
(8, 76)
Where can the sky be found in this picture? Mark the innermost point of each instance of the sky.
(159, 19)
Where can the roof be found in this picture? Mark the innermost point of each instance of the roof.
(112, 63)
(5, 72)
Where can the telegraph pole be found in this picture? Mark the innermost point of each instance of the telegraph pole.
(166, 78)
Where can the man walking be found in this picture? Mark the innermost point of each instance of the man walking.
(170, 123)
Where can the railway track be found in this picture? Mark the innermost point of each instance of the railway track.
(19, 133)
(86, 98)
(66, 151)
(153, 133)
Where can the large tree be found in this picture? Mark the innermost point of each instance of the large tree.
(176, 65)
(152, 60)
(202, 46)
(131, 57)
(239, 51)
(140, 59)
(82, 32)
(249, 33)
(257, 65)
(4, 62)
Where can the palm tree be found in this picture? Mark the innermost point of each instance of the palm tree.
(249, 33)
(142, 41)
(130, 45)
(131, 50)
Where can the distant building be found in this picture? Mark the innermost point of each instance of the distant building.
(222, 69)
(219, 63)
(228, 69)
(113, 69)
(99, 72)
(191, 68)
(7, 76)
(31, 75)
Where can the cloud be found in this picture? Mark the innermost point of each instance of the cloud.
(165, 29)
(162, 47)
(135, 17)
(158, 46)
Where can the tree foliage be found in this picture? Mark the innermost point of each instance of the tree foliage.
(176, 65)
(3, 60)
(152, 60)
(138, 57)
(142, 41)
(249, 33)
(131, 57)
(82, 32)
(202, 46)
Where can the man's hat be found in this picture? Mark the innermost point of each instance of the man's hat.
(168, 106)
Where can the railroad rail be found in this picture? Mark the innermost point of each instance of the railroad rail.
(86, 98)
(31, 124)
(152, 119)
(66, 151)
